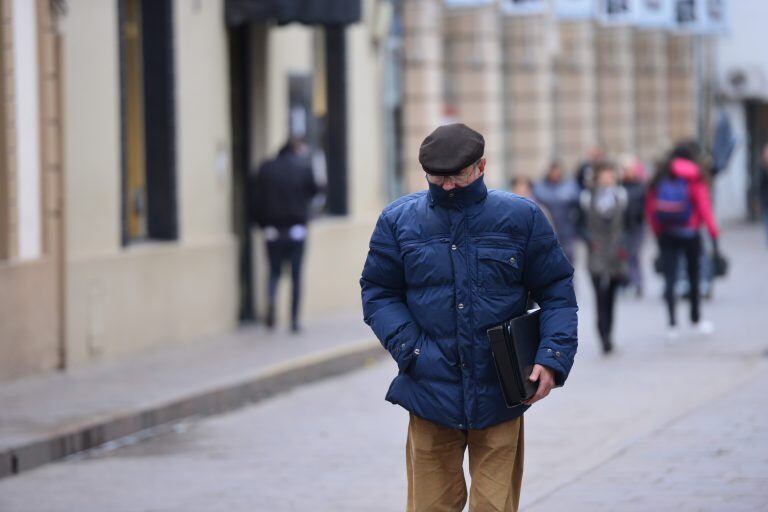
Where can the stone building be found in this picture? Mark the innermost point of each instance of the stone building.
(543, 88)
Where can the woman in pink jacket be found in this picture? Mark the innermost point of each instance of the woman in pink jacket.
(677, 204)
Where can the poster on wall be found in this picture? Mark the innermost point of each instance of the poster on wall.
(574, 9)
(616, 12)
(702, 16)
(458, 4)
(655, 13)
(524, 7)
(687, 15)
(714, 16)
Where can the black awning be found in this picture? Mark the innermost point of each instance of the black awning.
(309, 12)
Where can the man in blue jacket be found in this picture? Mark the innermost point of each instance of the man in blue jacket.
(443, 266)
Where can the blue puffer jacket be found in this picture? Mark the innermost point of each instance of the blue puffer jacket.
(442, 268)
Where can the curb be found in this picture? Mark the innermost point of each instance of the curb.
(272, 380)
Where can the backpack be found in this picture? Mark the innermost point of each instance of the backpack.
(673, 206)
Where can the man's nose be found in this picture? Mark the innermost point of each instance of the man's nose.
(449, 185)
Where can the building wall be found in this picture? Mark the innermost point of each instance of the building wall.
(575, 116)
(738, 55)
(473, 80)
(650, 98)
(567, 85)
(682, 88)
(423, 83)
(30, 317)
(528, 94)
(615, 90)
(123, 299)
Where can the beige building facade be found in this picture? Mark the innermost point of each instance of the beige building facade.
(132, 242)
(31, 276)
(562, 86)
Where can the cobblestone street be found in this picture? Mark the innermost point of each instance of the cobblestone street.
(661, 425)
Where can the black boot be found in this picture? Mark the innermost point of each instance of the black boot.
(607, 344)
(270, 321)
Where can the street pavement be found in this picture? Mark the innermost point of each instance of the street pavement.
(659, 425)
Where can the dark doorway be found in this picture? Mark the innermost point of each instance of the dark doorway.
(757, 131)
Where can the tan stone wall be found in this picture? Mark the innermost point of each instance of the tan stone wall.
(615, 90)
(422, 82)
(30, 301)
(575, 120)
(473, 79)
(682, 90)
(28, 318)
(528, 100)
(650, 94)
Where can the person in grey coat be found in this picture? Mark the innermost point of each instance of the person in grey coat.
(604, 209)
(560, 197)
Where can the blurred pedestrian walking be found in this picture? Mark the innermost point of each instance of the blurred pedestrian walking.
(632, 176)
(523, 187)
(560, 196)
(443, 266)
(677, 204)
(586, 169)
(764, 187)
(605, 208)
(281, 193)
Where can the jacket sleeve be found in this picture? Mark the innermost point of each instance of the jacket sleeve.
(702, 202)
(383, 296)
(548, 275)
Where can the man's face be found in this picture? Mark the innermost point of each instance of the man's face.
(466, 177)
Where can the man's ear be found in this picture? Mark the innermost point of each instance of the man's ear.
(481, 165)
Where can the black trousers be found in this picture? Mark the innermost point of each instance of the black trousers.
(605, 299)
(281, 251)
(672, 249)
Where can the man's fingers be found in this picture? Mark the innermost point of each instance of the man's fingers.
(545, 386)
(535, 373)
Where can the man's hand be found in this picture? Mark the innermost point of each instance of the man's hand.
(546, 378)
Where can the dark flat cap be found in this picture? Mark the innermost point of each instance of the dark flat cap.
(450, 148)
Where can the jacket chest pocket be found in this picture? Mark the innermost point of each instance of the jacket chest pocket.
(499, 269)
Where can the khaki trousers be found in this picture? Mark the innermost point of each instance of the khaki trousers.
(434, 458)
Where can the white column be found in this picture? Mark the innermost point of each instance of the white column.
(26, 84)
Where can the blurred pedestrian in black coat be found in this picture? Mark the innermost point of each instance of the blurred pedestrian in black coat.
(280, 198)
(632, 179)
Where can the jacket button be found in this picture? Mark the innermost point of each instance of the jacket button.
(512, 260)
(460, 306)
(453, 247)
(461, 425)
(463, 365)
(416, 351)
(549, 350)
(557, 354)
(451, 195)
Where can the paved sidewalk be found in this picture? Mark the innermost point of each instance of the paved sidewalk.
(714, 459)
(48, 417)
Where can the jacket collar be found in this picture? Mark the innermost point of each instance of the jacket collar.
(459, 197)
